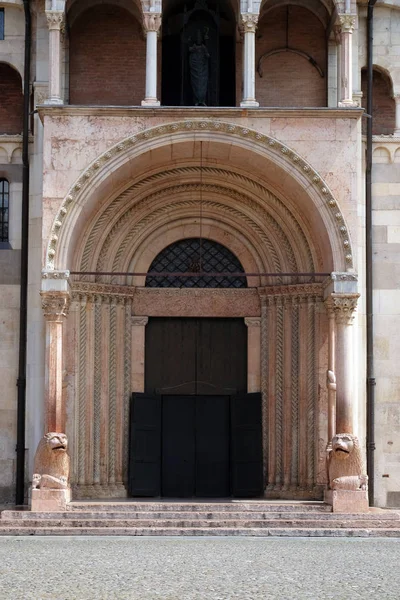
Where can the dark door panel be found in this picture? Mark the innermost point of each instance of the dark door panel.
(178, 446)
(170, 366)
(221, 356)
(145, 445)
(212, 446)
(246, 445)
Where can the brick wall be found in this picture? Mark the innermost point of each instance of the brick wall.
(107, 58)
(289, 79)
(11, 100)
(384, 106)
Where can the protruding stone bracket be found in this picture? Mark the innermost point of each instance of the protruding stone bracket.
(340, 283)
(55, 281)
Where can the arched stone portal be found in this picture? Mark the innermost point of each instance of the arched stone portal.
(268, 207)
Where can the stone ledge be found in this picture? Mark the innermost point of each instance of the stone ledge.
(200, 112)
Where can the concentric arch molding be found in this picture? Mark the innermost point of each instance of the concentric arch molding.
(141, 142)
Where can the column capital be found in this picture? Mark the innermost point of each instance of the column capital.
(344, 306)
(249, 22)
(139, 321)
(346, 23)
(151, 21)
(55, 305)
(55, 19)
(252, 321)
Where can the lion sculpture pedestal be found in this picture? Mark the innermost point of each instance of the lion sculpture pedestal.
(50, 482)
(348, 482)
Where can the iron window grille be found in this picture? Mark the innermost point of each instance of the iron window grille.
(196, 255)
(4, 214)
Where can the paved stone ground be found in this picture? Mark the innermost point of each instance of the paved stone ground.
(67, 568)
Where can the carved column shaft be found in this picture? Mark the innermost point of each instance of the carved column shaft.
(253, 353)
(138, 349)
(55, 307)
(346, 28)
(344, 306)
(55, 21)
(249, 26)
(331, 375)
(152, 24)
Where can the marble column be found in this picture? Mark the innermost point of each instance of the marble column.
(397, 126)
(249, 26)
(55, 22)
(343, 306)
(137, 349)
(330, 375)
(253, 354)
(151, 24)
(55, 307)
(346, 27)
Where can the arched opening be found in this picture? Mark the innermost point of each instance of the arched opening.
(273, 214)
(107, 57)
(198, 54)
(196, 255)
(291, 57)
(11, 104)
(384, 106)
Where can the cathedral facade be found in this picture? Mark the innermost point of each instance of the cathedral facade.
(213, 250)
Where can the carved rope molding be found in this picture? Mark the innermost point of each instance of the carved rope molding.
(105, 218)
(139, 226)
(82, 186)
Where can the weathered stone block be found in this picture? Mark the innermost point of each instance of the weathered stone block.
(47, 500)
(347, 501)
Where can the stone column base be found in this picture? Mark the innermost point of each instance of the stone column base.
(47, 500)
(347, 501)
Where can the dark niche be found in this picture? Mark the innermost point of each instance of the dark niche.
(198, 55)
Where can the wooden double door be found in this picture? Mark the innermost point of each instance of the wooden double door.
(195, 432)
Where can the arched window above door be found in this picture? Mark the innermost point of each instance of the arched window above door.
(195, 255)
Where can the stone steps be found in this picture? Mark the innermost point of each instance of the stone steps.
(175, 506)
(21, 516)
(207, 523)
(201, 531)
(200, 518)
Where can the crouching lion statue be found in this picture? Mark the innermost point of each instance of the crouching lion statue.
(51, 464)
(345, 464)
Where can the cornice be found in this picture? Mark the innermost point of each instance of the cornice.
(199, 112)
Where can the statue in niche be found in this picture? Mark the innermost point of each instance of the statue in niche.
(199, 68)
